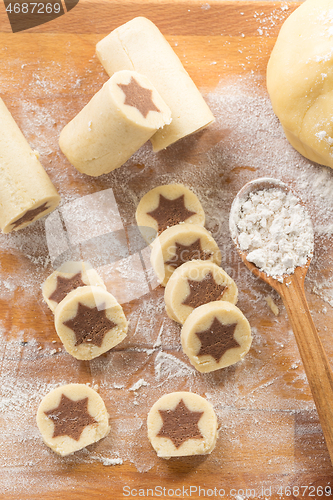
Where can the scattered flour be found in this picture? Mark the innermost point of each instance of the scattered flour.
(244, 143)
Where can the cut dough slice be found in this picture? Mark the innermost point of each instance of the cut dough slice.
(26, 191)
(139, 45)
(69, 276)
(117, 121)
(166, 206)
(216, 335)
(89, 321)
(179, 244)
(71, 417)
(196, 283)
(181, 424)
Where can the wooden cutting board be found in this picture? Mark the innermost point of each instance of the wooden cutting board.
(270, 443)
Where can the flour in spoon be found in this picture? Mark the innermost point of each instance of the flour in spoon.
(275, 231)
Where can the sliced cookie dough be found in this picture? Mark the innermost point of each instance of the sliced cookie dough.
(26, 191)
(139, 45)
(196, 283)
(215, 335)
(181, 424)
(179, 244)
(68, 277)
(71, 417)
(89, 322)
(116, 122)
(166, 206)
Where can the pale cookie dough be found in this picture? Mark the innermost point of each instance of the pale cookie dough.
(89, 322)
(216, 335)
(69, 276)
(117, 121)
(71, 417)
(140, 46)
(179, 244)
(181, 424)
(166, 206)
(26, 191)
(196, 283)
(300, 80)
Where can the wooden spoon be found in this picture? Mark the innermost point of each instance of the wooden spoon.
(291, 290)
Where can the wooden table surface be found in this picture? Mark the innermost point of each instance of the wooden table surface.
(270, 443)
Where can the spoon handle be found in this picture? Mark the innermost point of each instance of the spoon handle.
(316, 364)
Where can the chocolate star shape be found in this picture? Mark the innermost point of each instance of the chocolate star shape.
(138, 97)
(90, 325)
(170, 212)
(30, 215)
(180, 424)
(184, 253)
(204, 291)
(217, 339)
(66, 285)
(70, 417)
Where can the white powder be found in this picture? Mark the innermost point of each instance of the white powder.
(275, 231)
(140, 383)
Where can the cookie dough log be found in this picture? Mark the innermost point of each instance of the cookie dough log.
(26, 191)
(196, 283)
(117, 121)
(179, 244)
(89, 322)
(216, 335)
(71, 417)
(69, 276)
(166, 206)
(139, 45)
(181, 424)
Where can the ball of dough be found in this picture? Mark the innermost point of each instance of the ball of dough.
(300, 80)
(196, 283)
(166, 206)
(179, 244)
(71, 417)
(89, 322)
(69, 276)
(215, 335)
(181, 424)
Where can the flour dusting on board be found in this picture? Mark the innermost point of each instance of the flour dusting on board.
(244, 143)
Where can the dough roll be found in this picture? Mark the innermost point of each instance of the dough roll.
(139, 45)
(26, 191)
(116, 122)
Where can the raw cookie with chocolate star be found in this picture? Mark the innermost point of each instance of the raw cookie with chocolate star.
(179, 244)
(181, 424)
(71, 417)
(89, 322)
(215, 335)
(117, 121)
(69, 276)
(166, 206)
(196, 283)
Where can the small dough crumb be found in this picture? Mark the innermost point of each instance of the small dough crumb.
(271, 304)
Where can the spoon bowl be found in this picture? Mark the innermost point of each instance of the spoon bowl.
(291, 289)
